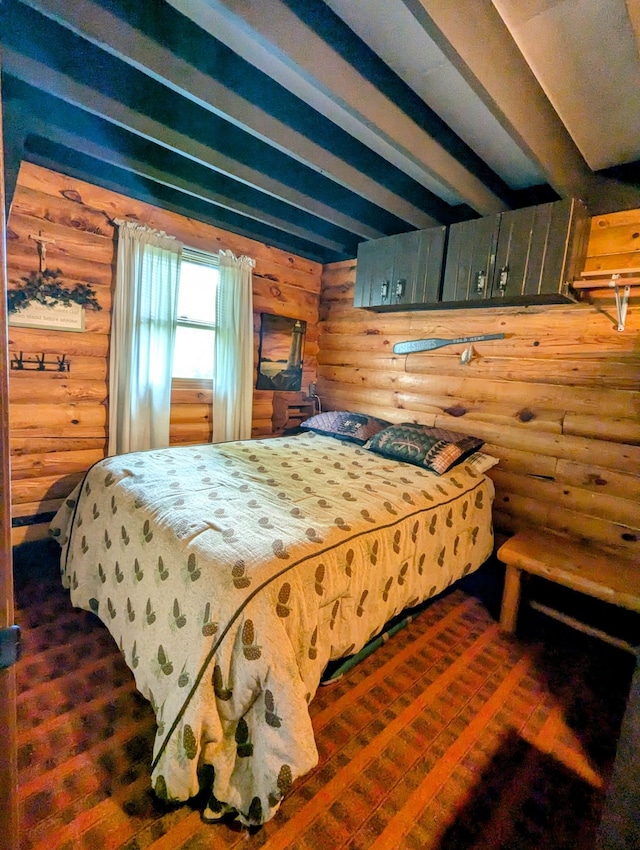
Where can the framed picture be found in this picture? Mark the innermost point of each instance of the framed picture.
(281, 353)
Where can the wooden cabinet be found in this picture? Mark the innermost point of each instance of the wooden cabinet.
(518, 257)
(527, 256)
(289, 410)
(400, 272)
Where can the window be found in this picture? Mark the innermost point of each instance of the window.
(196, 322)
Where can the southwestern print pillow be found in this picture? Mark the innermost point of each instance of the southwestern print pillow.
(433, 448)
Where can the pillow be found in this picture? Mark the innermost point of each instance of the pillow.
(354, 427)
(481, 462)
(432, 448)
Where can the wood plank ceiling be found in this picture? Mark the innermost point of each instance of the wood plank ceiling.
(315, 125)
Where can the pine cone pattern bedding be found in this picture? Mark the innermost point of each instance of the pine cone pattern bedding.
(231, 574)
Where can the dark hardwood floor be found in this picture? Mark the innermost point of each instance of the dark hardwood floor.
(449, 736)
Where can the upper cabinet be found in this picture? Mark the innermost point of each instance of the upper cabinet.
(519, 257)
(400, 272)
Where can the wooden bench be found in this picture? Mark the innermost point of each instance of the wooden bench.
(575, 565)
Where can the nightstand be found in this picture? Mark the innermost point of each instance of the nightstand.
(290, 409)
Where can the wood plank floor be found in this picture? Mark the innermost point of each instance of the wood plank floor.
(449, 736)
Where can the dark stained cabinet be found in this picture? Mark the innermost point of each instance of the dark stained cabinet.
(518, 257)
(400, 272)
(526, 256)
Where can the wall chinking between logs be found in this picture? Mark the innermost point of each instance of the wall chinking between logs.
(558, 400)
(58, 420)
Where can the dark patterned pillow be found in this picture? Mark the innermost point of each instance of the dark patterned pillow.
(355, 427)
(432, 448)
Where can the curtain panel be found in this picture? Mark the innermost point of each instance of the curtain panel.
(142, 338)
(233, 363)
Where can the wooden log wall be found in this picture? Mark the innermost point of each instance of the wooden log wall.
(58, 420)
(558, 400)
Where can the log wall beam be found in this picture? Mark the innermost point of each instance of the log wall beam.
(59, 420)
(557, 401)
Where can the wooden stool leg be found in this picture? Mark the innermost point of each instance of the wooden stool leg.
(510, 599)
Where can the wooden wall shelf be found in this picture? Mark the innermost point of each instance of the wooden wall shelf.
(290, 409)
(611, 277)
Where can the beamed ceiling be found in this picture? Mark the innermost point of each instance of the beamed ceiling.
(314, 125)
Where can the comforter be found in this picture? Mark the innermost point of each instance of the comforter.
(231, 574)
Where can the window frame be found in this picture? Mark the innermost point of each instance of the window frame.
(203, 258)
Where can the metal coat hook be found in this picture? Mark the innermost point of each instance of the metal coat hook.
(39, 363)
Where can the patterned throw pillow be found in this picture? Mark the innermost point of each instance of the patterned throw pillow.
(355, 427)
(432, 448)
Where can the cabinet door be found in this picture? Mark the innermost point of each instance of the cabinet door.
(537, 248)
(517, 257)
(374, 272)
(400, 271)
(418, 267)
(524, 263)
(469, 267)
(403, 279)
(563, 228)
(362, 289)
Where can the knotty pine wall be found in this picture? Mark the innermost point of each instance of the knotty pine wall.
(58, 420)
(558, 400)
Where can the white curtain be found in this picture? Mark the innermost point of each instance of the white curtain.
(233, 364)
(142, 338)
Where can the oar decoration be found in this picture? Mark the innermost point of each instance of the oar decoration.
(429, 344)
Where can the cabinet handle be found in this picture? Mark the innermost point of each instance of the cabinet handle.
(384, 290)
(481, 282)
(400, 285)
(502, 280)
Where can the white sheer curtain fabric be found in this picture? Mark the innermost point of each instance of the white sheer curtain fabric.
(142, 338)
(233, 363)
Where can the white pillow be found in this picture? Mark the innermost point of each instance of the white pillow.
(481, 461)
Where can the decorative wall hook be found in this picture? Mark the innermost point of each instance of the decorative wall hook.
(467, 355)
(39, 363)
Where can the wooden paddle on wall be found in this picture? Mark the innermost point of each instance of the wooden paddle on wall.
(429, 344)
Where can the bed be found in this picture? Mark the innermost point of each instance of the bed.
(230, 575)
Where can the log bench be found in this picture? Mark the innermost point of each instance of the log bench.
(578, 566)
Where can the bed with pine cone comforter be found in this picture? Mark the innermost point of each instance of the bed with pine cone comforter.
(231, 574)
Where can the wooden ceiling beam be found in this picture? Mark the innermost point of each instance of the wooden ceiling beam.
(111, 33)
(121, 158)
(46, 78)
(473, 36)
(47, 155)
(284, 47)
